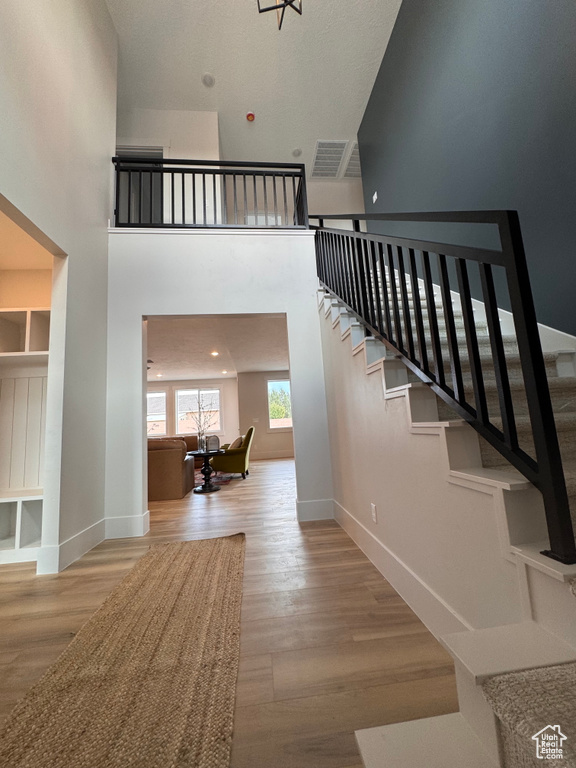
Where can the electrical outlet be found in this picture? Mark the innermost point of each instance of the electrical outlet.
(374, 512)
(374, 198)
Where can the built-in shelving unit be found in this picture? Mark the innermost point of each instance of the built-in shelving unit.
(24, 341)
(24, 335)
(20, 525)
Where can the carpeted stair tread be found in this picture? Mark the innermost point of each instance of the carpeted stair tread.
(556, 384)
(562, 389)
(565, 422)
(529, 701)
(569, 466)
(562, 394)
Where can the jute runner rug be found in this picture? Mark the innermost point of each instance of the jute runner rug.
(149, 681)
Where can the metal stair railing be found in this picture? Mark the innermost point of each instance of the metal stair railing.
(390, 284)
(180, 194)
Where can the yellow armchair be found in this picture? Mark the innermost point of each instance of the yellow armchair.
(235, 460)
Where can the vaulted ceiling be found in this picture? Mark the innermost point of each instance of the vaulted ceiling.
(311, 80)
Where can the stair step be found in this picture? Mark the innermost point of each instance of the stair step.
(446, 741)
(565, 427)
(530, 701)
(562, 394)
(513, 365)
(562, 389)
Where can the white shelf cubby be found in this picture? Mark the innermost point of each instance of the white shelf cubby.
(24, 331)
(20, 526)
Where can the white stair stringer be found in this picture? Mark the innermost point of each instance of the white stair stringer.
(542, 607)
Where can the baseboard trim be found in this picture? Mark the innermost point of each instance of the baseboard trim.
(430, 608)
(316, 509)
(53, 559)
(128, 527)
(24, 555)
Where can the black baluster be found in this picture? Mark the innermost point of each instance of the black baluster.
(419, 320)
(498, 357)
(455, 366)
(472, 342)
(433, 320)
(405, 303)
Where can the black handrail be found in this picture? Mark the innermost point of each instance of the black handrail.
(373, 275)
(167, 193)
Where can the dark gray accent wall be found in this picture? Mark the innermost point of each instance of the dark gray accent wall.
(474, 107)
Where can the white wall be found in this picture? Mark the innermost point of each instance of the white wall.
(25, 288)
(438, 542)
(161, 273)
(183, 134)
(253, 403)
(57, 135)
(228, 403)
(22, 420)
(342, 196)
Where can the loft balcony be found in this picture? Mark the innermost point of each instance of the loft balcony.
(183, 194)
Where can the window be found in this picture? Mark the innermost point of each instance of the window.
(198, 410)
(279, 406)
(156, 413)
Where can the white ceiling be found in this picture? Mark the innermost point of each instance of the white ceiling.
(20, 251)
(180, 346)
(309, 81)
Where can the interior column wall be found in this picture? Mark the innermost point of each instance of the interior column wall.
(57, 135)
(158, 272)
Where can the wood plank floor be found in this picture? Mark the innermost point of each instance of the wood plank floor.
(327, 646)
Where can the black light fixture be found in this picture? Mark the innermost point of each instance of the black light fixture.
(296, 5)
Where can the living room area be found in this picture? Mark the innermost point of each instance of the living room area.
(221, 378)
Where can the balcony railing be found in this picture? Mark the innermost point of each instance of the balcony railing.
(205, 193)
(415, 295)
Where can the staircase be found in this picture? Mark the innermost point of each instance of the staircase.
(498, 706)
(561, 384)
(524, 702)
(514, 677)
(562, 389)
(462, 359)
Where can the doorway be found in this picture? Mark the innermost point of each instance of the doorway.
(232, 361)
(27, 278)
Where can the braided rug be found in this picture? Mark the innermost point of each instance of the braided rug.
(149, 681)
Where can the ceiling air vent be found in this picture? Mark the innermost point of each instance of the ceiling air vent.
(353, 170)
(327, 159)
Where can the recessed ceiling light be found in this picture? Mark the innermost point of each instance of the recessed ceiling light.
(159, 375)
(214, 354)
(208, 80)
(297, 152)
(224, 371)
